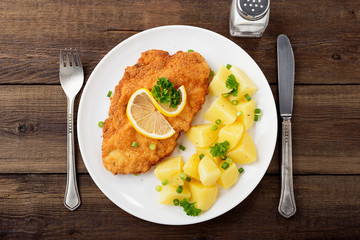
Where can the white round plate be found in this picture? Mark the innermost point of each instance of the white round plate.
(136, 194)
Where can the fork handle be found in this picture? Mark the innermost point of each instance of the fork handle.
(287, 207)
(72, 197)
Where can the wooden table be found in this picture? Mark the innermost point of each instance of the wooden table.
(326, 122)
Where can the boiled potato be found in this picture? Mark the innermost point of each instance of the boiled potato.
(168, 194)
(217, 160)
(206, 151)
(218, 84)
(170, 170)
(247, 110)
(228, 177)
(208, 171)
(202, 135)
(231, 133)
(221, 109)
(245, 151)
(191, 166)
(203, 196)
(246, 86)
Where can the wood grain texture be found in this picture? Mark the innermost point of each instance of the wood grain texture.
(326, 125)
(325, 130)
(325, 36)
(326, 206)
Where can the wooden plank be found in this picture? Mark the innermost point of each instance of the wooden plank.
(325, 130)
(32, 38)
(34, 129)
(32, 207)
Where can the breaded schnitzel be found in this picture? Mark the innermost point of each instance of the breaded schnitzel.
(182, 68)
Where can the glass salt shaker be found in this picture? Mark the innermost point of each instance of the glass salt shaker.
(249, 18)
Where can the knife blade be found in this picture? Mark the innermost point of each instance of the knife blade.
(286, 72)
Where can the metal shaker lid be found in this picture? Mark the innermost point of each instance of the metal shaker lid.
(252, 9)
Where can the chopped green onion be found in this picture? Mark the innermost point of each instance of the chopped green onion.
(188, 179)
(247, 97)
(182, 148)
(228, 66)
(190, 50)
(257, 111)
(238, 113)
(135, 174)
(101, 124)
(218, 122)
(158, 188)
(201, 156)
(211, 74)
(234, 102)
(225, 165)
(214, 127)
(182, 176)
(256, 118)
(179, 189)
(164, 182)
(135, 144)
(228, 160)
(225, 94)
(152, 146)
(240, 170)
(109, 93)
(176, 202)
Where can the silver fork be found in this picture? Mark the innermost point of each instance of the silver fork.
(71, 80)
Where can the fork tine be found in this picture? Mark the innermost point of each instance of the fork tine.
(67, 58)
(61, 60)
(73, 64)
(78, 59)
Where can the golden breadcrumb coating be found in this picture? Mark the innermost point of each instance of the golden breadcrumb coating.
(182, 68)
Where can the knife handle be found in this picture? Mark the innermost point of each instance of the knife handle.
(287, 207)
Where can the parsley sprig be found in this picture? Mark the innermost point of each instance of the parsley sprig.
(189, 208)
(219, 149)
(164, 92)
(232, 84)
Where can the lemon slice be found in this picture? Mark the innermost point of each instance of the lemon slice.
(145, 118)
(172, 112)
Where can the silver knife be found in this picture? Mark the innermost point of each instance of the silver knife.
(286, 72)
